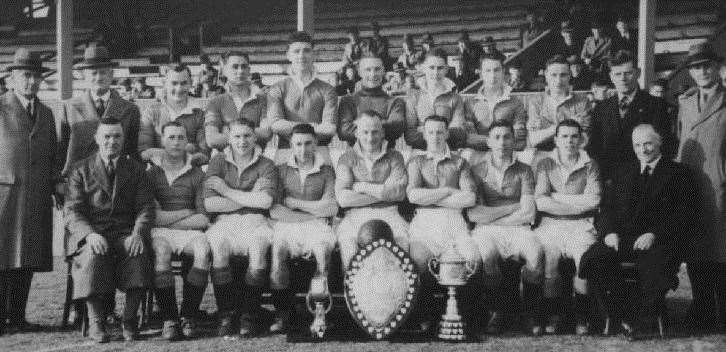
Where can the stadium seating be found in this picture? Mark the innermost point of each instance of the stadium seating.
(679, 24)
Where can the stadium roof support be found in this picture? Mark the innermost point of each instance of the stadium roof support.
(305, 16)
(646, 41)
(64, 48)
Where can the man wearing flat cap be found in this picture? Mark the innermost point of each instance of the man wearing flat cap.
(80, 115)
(28, 174)
(702, 120)
(596, 48)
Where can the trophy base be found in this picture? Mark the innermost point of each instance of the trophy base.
(451, 330)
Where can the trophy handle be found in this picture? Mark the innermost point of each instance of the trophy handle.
(434, 263)
(471, 267)
(311, 307)
(318, 292)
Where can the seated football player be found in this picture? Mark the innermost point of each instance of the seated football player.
(505, 210)
(370, 181)
(303, 208)
(178, 188)
(239, 189)
(441, 187)
(567, 195)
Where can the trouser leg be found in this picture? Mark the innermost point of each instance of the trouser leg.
(721, 294)
(134, 296)
(18, 291)
(3, 299)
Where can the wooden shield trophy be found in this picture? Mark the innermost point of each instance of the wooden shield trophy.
(380, 287)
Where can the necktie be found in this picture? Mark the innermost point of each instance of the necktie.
(100, 108)
(623, 106)
(111, 173)
(645, 174)
(31, 115)
(705, 100)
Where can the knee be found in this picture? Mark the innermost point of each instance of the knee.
(161, 248)
(201, 248)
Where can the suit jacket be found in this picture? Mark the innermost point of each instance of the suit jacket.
(29, 167)
(611, 135)
(620, 43)
(703, 149)
(93, 206)
(79, 121)
(667, 209)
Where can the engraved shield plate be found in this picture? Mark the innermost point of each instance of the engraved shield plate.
(380, 288)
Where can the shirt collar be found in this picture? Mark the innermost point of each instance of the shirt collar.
(358, 150)
(503, 97)
(229, 157)
(558, 101)
(24, 101)
(105, 97)
(490, 161)
(254, 94)
(171, 177)
(652, 164)
(582, 160)
(446, 83)
(630, 96)
(187, 110)
(299, 82)
(709, 91)
(106, 160)
(317, 163)
(447, 154)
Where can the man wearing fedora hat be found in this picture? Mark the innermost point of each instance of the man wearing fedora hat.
(567, 45)
(596, 48)
(489, 47)
(80, 115)
(702, 118)
(29, 166)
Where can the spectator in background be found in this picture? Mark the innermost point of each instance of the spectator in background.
(396, 84)
(408, 57)
(257, 81)
(596, 48)
(208, 69)
(126, 89)
(379, 45)
(515, 79)
(141, 90)
(352, 51)
(657, 88)
(489, 47)
(347, 81)
(428, 44)
(531, 29)
(539, 82)
(567, 45)
(581, 77)
(599, 91)
(3, 86)
(435, 96)
(625, 38)
(470, 54)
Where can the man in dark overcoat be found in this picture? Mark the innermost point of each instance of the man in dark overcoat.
(28, 173)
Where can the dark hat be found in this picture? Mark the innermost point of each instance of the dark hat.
(566, 26)
(398, 67)
(489, 40)
(25, 59)
(575, 60)
(700, 53)
(95, 56)
(255, 76)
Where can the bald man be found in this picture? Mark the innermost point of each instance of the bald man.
(646, 219)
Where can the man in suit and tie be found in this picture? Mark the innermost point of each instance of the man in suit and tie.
(645, 218)
(109, 212)
(613, 120)
(29, 168)
(702, 121)
(80, 115)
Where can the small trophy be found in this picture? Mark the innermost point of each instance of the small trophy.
(453, 271)
(316, 300)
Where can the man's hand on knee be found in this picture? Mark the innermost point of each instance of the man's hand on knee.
(134, 245)
(97, 243)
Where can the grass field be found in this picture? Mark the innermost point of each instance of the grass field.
(46, 305)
